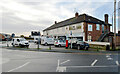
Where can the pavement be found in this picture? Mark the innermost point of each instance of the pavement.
(15, 60)
(33, 47)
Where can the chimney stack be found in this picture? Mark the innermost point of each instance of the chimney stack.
(76, 14)
(106, 18)
(119, 32)
(55, 22)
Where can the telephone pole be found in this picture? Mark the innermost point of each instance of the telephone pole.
(114, 24)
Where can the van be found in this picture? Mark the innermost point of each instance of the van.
(20, 42)
(47, 41)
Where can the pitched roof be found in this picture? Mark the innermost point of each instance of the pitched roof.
(74, 20)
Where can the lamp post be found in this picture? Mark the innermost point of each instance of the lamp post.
(114, 26)
(115, 23)
(71, 39)
(39, 41)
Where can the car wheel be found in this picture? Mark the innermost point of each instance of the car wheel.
(79, 47)
(59, 45)
(46, 44)
(20, 45)
(56, 46)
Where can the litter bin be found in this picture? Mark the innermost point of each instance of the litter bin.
(107, 47)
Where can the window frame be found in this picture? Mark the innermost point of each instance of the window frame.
(91, 27)
(97, 27)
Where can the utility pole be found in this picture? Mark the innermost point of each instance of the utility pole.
(114, 24)
(39, 41)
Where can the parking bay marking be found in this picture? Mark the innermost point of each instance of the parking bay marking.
(19, 67)
(117, 63)
(95, 61)
(65, 61)
(61, 69)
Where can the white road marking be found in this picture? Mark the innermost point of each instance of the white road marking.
(109, 58)
(65, 61)
(94, 62)
(19, 67)
(61, 69)
(58, 63)
(117, 63)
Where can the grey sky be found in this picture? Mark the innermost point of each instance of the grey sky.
(22, 17)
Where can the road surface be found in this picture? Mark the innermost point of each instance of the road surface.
(34, 61)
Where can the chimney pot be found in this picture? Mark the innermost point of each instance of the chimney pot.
(55, 22)
(106, 18)
(76, 14)
(119, 32)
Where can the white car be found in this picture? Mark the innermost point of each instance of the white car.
(60, 43)
(20, 42)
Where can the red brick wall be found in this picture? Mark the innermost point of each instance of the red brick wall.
(95, 34)
(107, 27)
(85, 27)
(118, 40)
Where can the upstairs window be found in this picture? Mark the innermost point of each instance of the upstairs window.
(97, 27)
(102, 28)
(89, 27)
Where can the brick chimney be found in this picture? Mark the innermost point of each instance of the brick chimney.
(106, 18)
(119, 32)
(107, 27)
(76, 14)
(55, 22)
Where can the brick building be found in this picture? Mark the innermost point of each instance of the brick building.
(82, 26)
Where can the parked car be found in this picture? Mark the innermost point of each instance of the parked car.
(20, 42)
(60, 43)
(47, 41)
(76, 43)
(31, 41)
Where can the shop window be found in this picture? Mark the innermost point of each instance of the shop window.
(79, 27)
(102, 28)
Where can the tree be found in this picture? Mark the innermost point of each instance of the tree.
(21, 35)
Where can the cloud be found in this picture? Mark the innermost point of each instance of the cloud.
(21, 16)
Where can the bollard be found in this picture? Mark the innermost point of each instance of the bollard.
(50, 47)
(107, 47)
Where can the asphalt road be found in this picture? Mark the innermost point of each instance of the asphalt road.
(34, 61)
